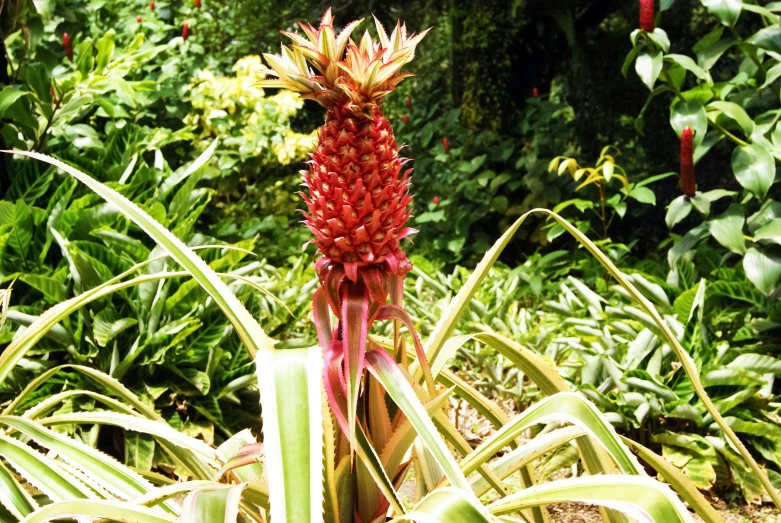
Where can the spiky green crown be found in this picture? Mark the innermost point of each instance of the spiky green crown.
(334, 70)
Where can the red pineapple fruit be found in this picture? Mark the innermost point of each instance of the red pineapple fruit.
(358, 193)
(647, 15)
(687, 181)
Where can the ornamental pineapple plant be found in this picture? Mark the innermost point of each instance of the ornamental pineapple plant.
(357, 205)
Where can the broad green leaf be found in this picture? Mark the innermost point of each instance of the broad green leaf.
(727, 11)
(763, 269)
(691, 66)
(771, 231)
(738, 290)
(727, 229)
(711, 48)
(689, 114)
(768, 38)
(108, 325)
(49, 287)
(754, 169)
(8, 96)
(678, 210)
(737, 113)
(686, 302)
(761, 363)
(648, 66)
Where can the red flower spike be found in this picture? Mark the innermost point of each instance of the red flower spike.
(139, 19)
(446, 145)
(152, 5)
(66, 44)
(436, 200)
(409, 102)
(405, 119)
(528, 145)
(535, 93)
(185, 31)
(197, 4)
(687, 181)
(647, 15)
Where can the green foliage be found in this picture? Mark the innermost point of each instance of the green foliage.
(725, 97)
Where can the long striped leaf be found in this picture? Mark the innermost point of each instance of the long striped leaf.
(113, 476)
(565, 406)
(215, 504)
(679, 481)
(13, 496)
(385, 369)
(110, 510)
(640, 497)
(515, 459)
(42, 471)
(448, 505)
(159, 430)
(294, 446)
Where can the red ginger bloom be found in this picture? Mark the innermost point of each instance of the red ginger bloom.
(185, 31)
(358, 196)
(197, 4)
(436, 200)
(687, 181)
(66, 43)
(405, 119)
(535, 93)
(647, 15)
(446, 145)
(152, 5)
(139, 19)
(409, 102)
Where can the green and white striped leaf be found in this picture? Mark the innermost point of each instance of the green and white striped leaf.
(640, 497)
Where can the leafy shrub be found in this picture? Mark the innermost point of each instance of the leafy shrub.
(725, 97)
